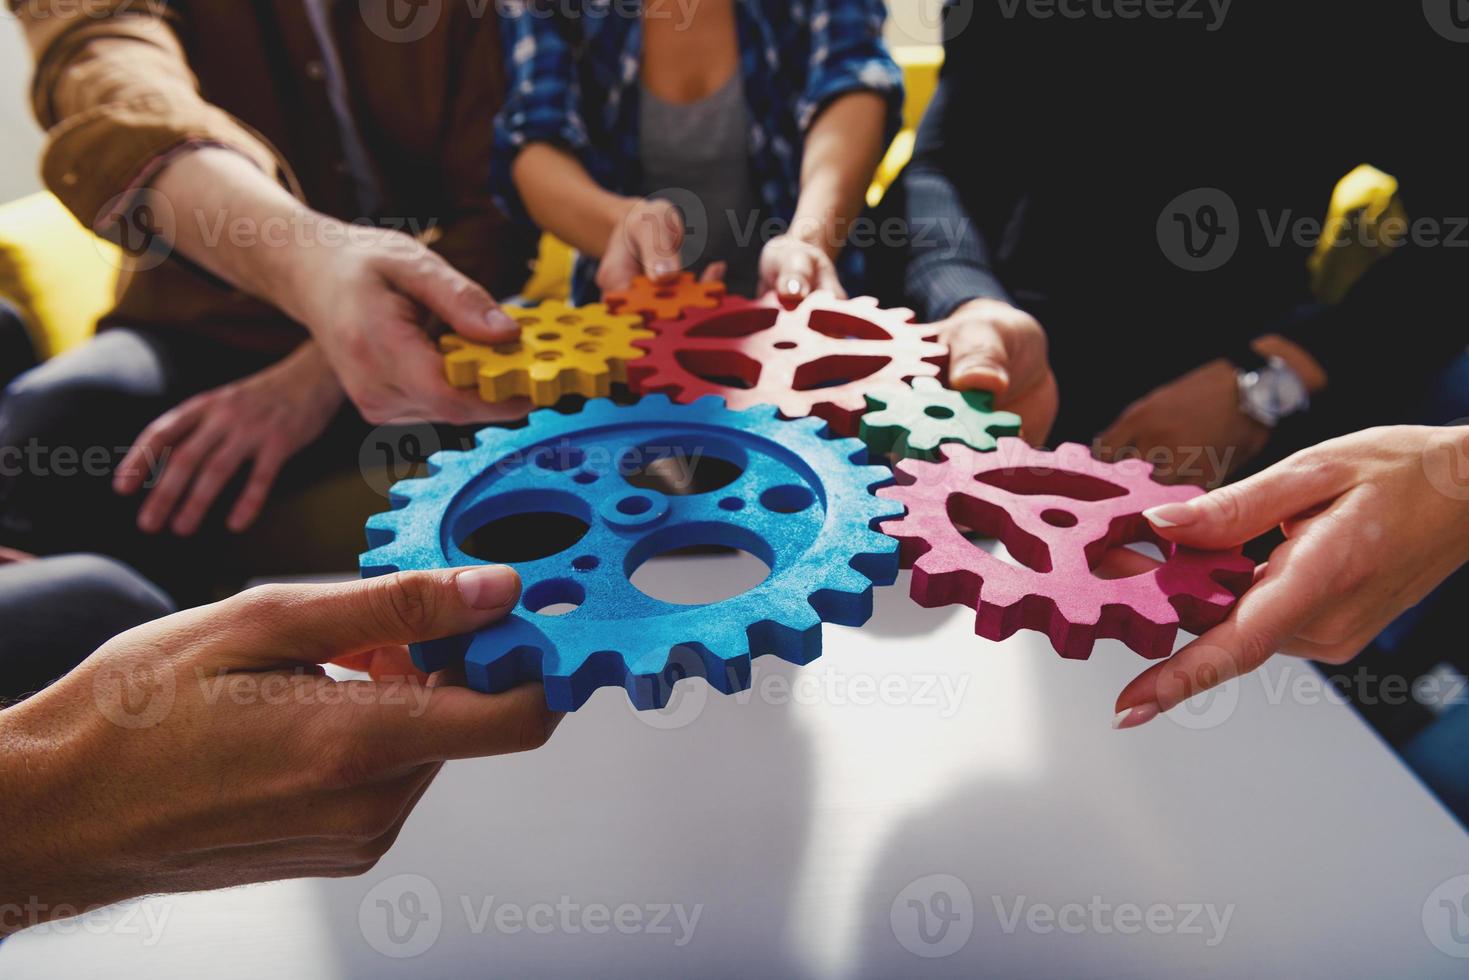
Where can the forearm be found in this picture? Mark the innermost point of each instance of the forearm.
(50, 858)
(238, 223)
(114, 91)
(947, 259)
(843, 148)
(563, 199)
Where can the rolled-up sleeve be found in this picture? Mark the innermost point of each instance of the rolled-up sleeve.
(114, 92)
(848, 55)
(543, 103)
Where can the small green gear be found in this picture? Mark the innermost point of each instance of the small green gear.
(914, 423)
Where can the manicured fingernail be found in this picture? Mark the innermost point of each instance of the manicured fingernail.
(1171, 515)
(489, 586)
(500, 320)
(1133, 717)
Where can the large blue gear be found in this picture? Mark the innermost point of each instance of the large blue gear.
(803, 504)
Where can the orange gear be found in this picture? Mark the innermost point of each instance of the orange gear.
(562, 350)
(665, 302)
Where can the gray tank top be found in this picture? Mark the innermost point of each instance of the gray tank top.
(697, 155)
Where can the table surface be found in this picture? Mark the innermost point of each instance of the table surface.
(917, 802)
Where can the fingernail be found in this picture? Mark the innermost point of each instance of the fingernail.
(1171, 515)
(489, 586)
(663, 270)
(1133, 717)
(976, 365)
(795, 287)
(501, 321)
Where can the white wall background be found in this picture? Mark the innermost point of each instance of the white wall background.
(20, 138)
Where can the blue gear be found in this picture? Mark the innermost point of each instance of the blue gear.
(803, 505)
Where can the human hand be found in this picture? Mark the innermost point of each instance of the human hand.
(1370, 533)
(795, 268)
(1191, 429)
(208, 749)
(367, 300)
(997, 348)
(195, 449)
(648, 242)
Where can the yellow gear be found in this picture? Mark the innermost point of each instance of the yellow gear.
(562, 350)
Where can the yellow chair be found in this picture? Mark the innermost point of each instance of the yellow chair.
(59, 275)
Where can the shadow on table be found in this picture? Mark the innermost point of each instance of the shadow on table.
(705, 805)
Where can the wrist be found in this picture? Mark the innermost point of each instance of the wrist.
(983, 306)
(1295, 357)
(616, 213)
(52, 869)
(309, 361)
(819, 230)
(292, 276)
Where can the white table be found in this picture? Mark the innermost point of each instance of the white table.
(981, 782)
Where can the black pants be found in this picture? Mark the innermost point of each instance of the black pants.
(16, 352)
(56, 611)
(66, 425)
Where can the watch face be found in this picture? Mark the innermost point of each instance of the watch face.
(1278, 392)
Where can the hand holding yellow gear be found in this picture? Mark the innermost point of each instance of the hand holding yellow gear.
(562, 350)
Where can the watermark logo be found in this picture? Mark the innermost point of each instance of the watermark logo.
(1446, 463)
(402, 916)
(930, 21)
(934, 916)
(1450, 18)
(1446, 917)
(135, 696)
(143, 225)
(395, 452)
(1098, 917)
(1210, 14)
(687, 697)
(401, 21)
(1199, 230)
(1211, 707)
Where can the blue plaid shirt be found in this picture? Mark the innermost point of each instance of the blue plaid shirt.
(575, 83)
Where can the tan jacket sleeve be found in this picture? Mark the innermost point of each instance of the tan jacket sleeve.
(113, 89)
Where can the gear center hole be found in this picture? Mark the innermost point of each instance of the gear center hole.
(1060, 518)
(938, 412)
(699, 575)
(682, 470)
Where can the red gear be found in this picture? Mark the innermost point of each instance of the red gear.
(820, 358)
(1058, 514)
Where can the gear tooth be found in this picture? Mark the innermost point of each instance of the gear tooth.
(709, 403)
(378, 561)
(382, 529)
(797, 642)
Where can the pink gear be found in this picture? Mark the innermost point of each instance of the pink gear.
(1058, 514)
(820, 358)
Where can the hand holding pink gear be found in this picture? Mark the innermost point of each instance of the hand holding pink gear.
(1058, 514)
(821, 358)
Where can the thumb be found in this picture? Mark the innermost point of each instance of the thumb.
(315, 624)
(796, 277)
(1236, 514)
(979, 359)
(453, 297)
(657, 238)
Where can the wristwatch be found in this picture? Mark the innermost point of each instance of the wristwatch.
(1269, 391)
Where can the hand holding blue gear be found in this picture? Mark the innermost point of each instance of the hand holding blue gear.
(803, 504)
(916, 423)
